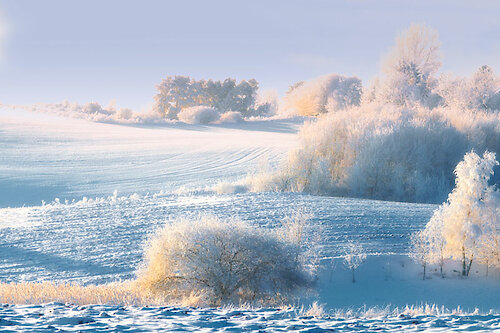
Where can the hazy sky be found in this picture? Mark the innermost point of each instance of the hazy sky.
(102, 50)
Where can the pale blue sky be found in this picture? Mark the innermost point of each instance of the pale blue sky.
(103, 50)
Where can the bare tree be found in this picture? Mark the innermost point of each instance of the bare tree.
(354, 256)
(420, 250)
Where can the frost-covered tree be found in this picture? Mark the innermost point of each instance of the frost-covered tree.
(174, 93)
(479, 92)
(470, 205)
(354, 256)
(489, 250)
(485, 88)
(489, 254)
(420, 250)
(179, 92)
(410, 67)
(435, 241)
(468, 222)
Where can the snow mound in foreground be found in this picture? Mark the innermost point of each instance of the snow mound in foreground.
(58, 316)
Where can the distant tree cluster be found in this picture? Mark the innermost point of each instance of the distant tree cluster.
(400, 139)
(176, 93)
(409, 77)
(466, 227)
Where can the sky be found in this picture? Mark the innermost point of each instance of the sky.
(99, 51)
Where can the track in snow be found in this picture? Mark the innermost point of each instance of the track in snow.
(46, 157)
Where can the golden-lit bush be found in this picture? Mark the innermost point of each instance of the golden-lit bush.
(219, 262)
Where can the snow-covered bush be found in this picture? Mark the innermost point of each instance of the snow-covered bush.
(231, 117)
(324, 94)
(125, 114)
(93, 112)
(466, 227)
(223, 262)
(267, 103)
(354, 256)
(382, 152)
(479, 92)
(199, 115)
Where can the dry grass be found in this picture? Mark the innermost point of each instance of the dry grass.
(118, 293)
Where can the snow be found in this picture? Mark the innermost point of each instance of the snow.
(56, 316)
(46, 157)
(94, 235)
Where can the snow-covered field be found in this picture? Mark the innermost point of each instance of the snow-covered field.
(46, 157)
(92, 234)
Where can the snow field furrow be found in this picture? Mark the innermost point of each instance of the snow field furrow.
(106, 237)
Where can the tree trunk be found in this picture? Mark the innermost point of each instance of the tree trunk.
(353, 279)
(423, 278)
(468, 267)
(464, 270)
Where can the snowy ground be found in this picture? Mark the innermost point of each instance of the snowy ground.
(154, 170)
(102, 318)
(46, 157)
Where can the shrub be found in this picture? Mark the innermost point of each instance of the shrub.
(383, 152)
(479, 92)
(324, 94)
(231, 117)
(199, 115)
(223, 262)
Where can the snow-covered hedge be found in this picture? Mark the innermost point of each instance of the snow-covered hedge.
(93, 112)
